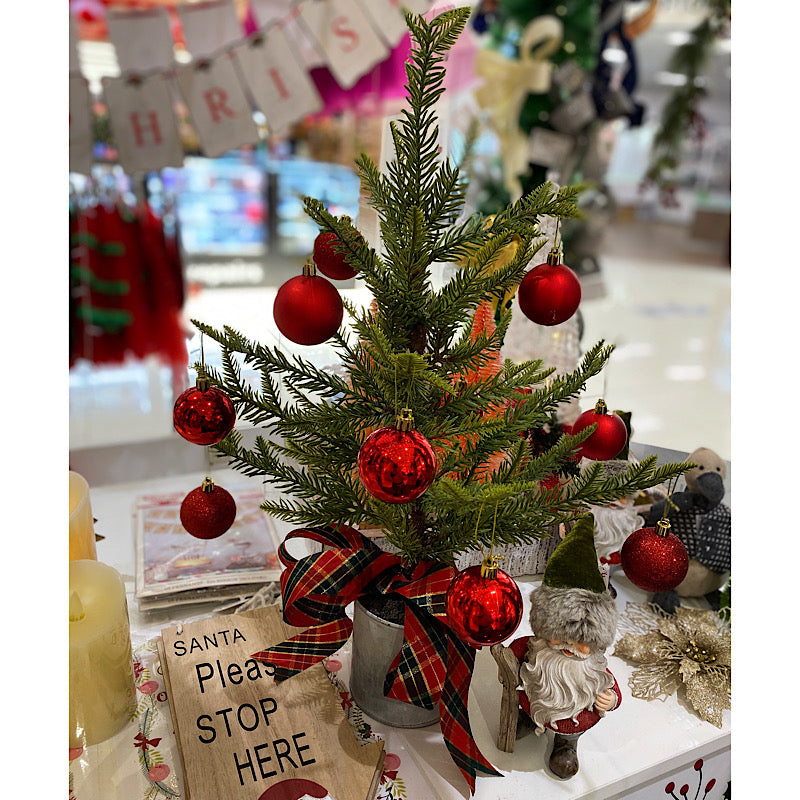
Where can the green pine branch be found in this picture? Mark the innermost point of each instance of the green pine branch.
(416, 348)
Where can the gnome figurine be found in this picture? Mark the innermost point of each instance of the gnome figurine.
(562, 668)
(700, 519)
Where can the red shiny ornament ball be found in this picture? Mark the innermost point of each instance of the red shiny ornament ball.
(549, 294)
(396, 466)
(654, 562)
(328, 261)
(483, 611)
(608, 438)
(203, 416)
(208, 514)
(308, 309)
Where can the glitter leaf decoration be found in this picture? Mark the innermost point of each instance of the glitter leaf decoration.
(688, 650)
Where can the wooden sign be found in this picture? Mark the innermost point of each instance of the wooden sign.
(242, 735)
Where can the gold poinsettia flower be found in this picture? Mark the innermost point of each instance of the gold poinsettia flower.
(690, 649)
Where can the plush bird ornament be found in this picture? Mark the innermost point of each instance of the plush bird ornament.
(700, 519)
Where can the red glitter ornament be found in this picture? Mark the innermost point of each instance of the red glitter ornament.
(484, 604)
(608, 438)
(654, 559)
(308, 308)
(396, 463)
(203, 414)
(328, 261)
(550, 293)
(208, 511)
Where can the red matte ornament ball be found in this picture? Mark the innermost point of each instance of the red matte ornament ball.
(396, 466)
(549, 294)
(483, 610)
(203, 415)
(208, 511)
(328, 261)
(654, 559)
(608, 438)
(308, 309)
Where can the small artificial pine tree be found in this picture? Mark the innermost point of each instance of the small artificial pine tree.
(413, 349)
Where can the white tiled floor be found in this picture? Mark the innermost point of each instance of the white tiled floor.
(666, 306)
(667, 309)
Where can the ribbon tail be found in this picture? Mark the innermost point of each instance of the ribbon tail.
(417, 673)
(305, 649)
(454, 715)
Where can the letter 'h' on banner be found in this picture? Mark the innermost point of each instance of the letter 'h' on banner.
(143, 123)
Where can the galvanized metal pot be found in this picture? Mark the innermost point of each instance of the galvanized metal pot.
(376, 642)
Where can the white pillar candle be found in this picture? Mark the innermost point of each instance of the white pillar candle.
(81, 522)
(101, 686)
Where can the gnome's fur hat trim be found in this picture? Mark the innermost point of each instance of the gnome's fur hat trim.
(576, 615)
(573, 603)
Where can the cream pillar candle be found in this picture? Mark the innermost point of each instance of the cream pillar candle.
(101, 687)
(81, 522)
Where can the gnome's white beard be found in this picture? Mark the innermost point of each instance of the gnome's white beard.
(612, 526)
(558, 686)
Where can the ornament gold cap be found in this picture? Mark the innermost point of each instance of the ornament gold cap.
(600, 407)
(202, 383)
(207, 485)
(490, 565)
(405, 420)
(663, 527)
(555, 255)
(309, 269)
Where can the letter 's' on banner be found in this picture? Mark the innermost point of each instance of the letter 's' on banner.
(344, 34)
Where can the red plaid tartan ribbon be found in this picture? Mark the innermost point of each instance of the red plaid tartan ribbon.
(433, 666)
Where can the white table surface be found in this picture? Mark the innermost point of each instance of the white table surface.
(641, 742)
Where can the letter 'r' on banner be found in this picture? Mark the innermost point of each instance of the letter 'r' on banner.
(344, 34)
(277, 81)
(143, 123)
(218, 106)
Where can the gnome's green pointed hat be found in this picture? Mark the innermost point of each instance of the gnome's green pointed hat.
(573, 564)
(572, 604)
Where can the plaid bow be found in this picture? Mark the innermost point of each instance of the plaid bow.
(433, 666)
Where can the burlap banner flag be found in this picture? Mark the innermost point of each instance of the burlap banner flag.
(80, 126)
(219, 108)
(143, 123)
(387, 17)
(142, 39)
(209, 26)
(344, 34)
(278, 83)
(74, 63)
(285, 13)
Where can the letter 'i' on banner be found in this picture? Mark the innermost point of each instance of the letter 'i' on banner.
(143, 123)
(219, 108)
(142, 39)
(209, 26)
(80, 126)
(279, 84)
(344, 34)
(387, 17)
